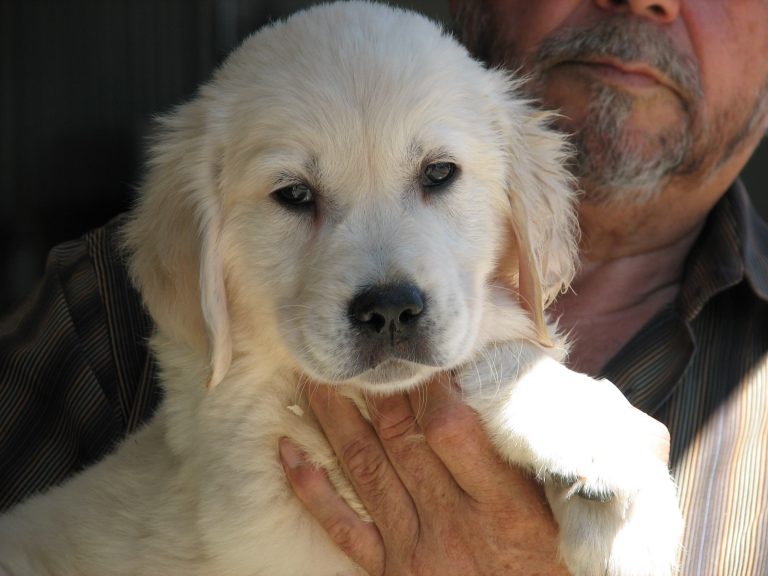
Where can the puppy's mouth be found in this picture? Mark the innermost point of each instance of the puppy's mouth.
(394, 371)
(391, 337)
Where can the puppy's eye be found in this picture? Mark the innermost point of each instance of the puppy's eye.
(438, 174)
(297, 196)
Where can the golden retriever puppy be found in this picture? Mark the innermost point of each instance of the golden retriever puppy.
(351, 198)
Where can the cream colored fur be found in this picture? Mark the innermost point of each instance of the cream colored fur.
(247, 294)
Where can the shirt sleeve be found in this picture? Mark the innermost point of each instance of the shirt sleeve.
(75, 372)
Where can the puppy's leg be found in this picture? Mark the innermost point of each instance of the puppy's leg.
(614, 501)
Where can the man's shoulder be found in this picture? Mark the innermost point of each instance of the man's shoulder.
(83, 312)
(75, 370)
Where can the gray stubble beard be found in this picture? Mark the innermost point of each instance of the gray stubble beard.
(612, 167)
(610, 163)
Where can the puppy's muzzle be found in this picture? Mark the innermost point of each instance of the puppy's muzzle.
(390, 325)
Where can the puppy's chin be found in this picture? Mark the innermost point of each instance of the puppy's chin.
(389, 377)
(392, 376)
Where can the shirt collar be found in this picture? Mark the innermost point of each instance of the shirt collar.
(733, 245)
(755, 243)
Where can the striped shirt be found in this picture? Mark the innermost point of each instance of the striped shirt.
(76, 376)
(75, 372)
(701, 367)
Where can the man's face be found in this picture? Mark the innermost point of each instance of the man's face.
(650, 89)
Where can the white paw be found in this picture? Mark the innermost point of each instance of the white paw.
(612, 497)
(614, 500)
(635, 533)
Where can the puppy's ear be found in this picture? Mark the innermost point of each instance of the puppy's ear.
(543, 215)
(519, 260)
(173, 240)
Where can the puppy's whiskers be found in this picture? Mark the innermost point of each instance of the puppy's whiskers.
(422, 394)
(302, 387)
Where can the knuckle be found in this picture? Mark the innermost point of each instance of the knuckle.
(404, 428)
(365, 464)
(343, 535)
(361, 545)
(450, 427)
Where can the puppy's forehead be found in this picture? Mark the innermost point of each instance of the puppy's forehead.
(356, 81)
(365, 45)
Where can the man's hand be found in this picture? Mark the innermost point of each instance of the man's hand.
(441, 501)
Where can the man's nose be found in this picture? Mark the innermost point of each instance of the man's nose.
(661, 11)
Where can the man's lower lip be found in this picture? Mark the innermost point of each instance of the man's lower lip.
(613, 75)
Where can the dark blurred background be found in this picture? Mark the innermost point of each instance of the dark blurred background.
(80, 81)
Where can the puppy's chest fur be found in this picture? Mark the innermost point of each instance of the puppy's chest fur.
(230, 435)
(198, 491)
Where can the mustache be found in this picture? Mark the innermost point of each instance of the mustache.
(626, 40)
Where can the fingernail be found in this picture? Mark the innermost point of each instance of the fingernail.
(291, 455)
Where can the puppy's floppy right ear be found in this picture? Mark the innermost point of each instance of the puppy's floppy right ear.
(529, 284)
(173, 236)
(542, 201)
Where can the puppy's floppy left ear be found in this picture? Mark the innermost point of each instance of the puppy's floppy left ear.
(173, 236)
(543, 217)
(213, 300)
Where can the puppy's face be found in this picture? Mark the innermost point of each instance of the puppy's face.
(360, 166)
(376, 253)
(369, 202)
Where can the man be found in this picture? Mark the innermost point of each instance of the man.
(666, 100)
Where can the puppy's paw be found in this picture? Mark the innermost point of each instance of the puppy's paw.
(609, 490)
(612, 494)
(575, 486)
(613, 498)
(631, 534)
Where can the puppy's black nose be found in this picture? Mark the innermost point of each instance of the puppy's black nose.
(387, 310)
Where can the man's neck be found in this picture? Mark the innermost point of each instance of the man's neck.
(614, 295)
(633, 259)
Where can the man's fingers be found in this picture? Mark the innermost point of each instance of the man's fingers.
(358, 539)
(454, 431)
(423, 474)
(365, 462)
